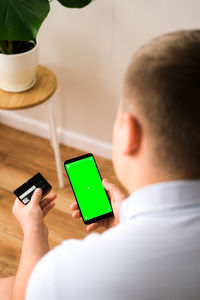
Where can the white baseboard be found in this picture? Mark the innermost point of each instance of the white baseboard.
(65, 137)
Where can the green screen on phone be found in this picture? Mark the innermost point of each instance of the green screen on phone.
(88, 189)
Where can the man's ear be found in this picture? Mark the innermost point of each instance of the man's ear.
(132, 134)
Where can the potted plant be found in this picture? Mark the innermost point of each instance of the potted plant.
(20, 21)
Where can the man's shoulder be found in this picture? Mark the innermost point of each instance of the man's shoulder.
(77, 260)
(93, 243)
(125, 254)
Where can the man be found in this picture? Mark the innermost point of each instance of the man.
(151, 249)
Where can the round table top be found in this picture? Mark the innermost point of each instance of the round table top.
(43, 89)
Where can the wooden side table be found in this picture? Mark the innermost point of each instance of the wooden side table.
(43, 89)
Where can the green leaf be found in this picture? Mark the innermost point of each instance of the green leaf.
(21, 19)
(75, 3)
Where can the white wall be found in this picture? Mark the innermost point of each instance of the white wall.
(89, 50)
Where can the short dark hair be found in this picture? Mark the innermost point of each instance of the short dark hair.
(164, 75)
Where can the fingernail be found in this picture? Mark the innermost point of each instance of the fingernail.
(38, 190)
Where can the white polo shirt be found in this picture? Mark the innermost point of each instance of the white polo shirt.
(153, 254)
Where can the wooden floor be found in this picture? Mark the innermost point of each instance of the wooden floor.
(21, 156)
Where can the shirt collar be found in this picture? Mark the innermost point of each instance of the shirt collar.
(159, 197)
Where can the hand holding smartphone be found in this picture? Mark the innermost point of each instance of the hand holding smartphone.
(86, 183)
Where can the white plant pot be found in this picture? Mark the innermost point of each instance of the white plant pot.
(18, 71)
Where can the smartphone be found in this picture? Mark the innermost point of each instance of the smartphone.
(86, 183)
(26, 190)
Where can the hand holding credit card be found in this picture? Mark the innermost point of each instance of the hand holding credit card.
(26, 190)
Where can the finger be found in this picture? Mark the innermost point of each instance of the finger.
(37, 196)
(74, 206)
(17, 204)
(93, 226)
(47, 208)
(76, 214)
(47, 200)
(107, 185)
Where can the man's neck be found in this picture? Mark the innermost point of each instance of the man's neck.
(141, 180)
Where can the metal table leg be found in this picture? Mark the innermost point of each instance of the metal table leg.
(54, 143)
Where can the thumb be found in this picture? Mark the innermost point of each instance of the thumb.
(37, 196)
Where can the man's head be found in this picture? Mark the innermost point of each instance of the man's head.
(160, 110)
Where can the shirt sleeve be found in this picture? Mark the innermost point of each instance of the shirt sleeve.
(74, 263)
(46, 276)
(41, 285)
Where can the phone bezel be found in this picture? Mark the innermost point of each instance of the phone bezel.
(98, 218)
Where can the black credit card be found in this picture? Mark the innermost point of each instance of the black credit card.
(26, 190)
